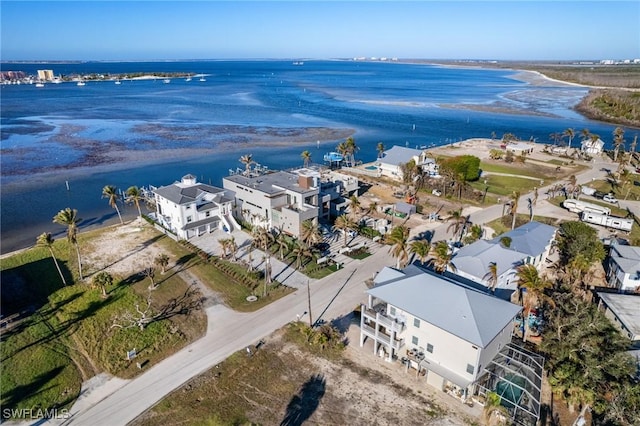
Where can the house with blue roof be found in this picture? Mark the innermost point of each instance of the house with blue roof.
(527, 244)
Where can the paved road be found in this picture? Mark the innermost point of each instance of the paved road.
(228, 331)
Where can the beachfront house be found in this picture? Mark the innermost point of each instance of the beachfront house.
(448, 332)
(527, 244)
(389, 163)
(188, 208)
(592, 147)
(623, 267)
(280, 200)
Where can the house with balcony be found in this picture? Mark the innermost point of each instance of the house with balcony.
(281, 199)
(188, 208)
(623, 267)
(447, 331)
(527, 244)
(391, 161)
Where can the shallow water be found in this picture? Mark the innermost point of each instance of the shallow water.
(62, 126)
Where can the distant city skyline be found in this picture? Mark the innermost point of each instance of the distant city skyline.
(167, 30)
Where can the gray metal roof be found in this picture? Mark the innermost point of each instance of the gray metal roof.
(399, 154)
(469, 314)
(626, 308)
(531, 239)
(627, 258)
(180, 194)
(270, 183)
(475, 258)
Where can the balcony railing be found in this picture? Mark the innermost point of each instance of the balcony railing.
(382, 337)
(389, 323)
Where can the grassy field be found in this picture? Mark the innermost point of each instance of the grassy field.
(65, 334)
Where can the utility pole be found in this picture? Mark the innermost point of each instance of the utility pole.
(309, 301)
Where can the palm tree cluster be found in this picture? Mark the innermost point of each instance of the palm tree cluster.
(348, 150)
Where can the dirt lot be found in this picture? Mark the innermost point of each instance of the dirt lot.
(282, 384)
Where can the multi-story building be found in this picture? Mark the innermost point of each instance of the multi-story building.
(623, 267)
(189, 208)
(45, 75)
(445, 330)
(281, 200)
(285, 199)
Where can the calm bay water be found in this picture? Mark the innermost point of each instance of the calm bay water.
(61, 126)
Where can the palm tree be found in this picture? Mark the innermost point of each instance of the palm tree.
(530, 279)
(102, 279)
(224, 245)
(344, 224)
(247, 160)
(162, 260)
(585, 134)
(618, 141)
(110, 192)
(352, 148)
(399, 238)
(570, 134)
(457, 221)
(380, 149)
(420, 248)
(306, 158)
(475, 232)
(310, 233)
(283, 243)
(492, 276)
(343, 150)
(300, 250)
(134, 195)
(515, 197)
(69, 218)
(354, 206)
(441, 257)
(46, 240)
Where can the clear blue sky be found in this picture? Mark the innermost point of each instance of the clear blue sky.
(124, 30)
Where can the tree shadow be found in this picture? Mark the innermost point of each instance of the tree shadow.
(19, 393)
(191, 300)
(28, 286)
(305, 402)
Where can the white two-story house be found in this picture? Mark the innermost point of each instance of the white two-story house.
(448, 331)
(188, 208)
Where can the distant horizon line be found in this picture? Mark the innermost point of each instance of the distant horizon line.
(355, 59)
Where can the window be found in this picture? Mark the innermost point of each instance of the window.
(416, 322)
(207, 214)
(188, 207)
(429, 348)
(469, 368)
(392, 310)
(414, 340)
(189, 219)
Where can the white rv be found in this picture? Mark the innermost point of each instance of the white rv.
(578, 206)
(608, 221)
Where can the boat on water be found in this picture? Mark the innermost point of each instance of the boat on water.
(202, 79)
(298, 63)
(118, 82)
(187, 79)
(166, 81)
(333, 157)
(80, 83)
(39, 84)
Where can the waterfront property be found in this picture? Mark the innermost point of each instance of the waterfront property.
(623, 267)
(188, 208)
(456, 337)
(284, 199)
(527, 244)
(391, 161)
(592, 147)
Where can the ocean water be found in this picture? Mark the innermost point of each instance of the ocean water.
(63, 126)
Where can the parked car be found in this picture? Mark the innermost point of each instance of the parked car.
(599, 194)
(610, 199)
